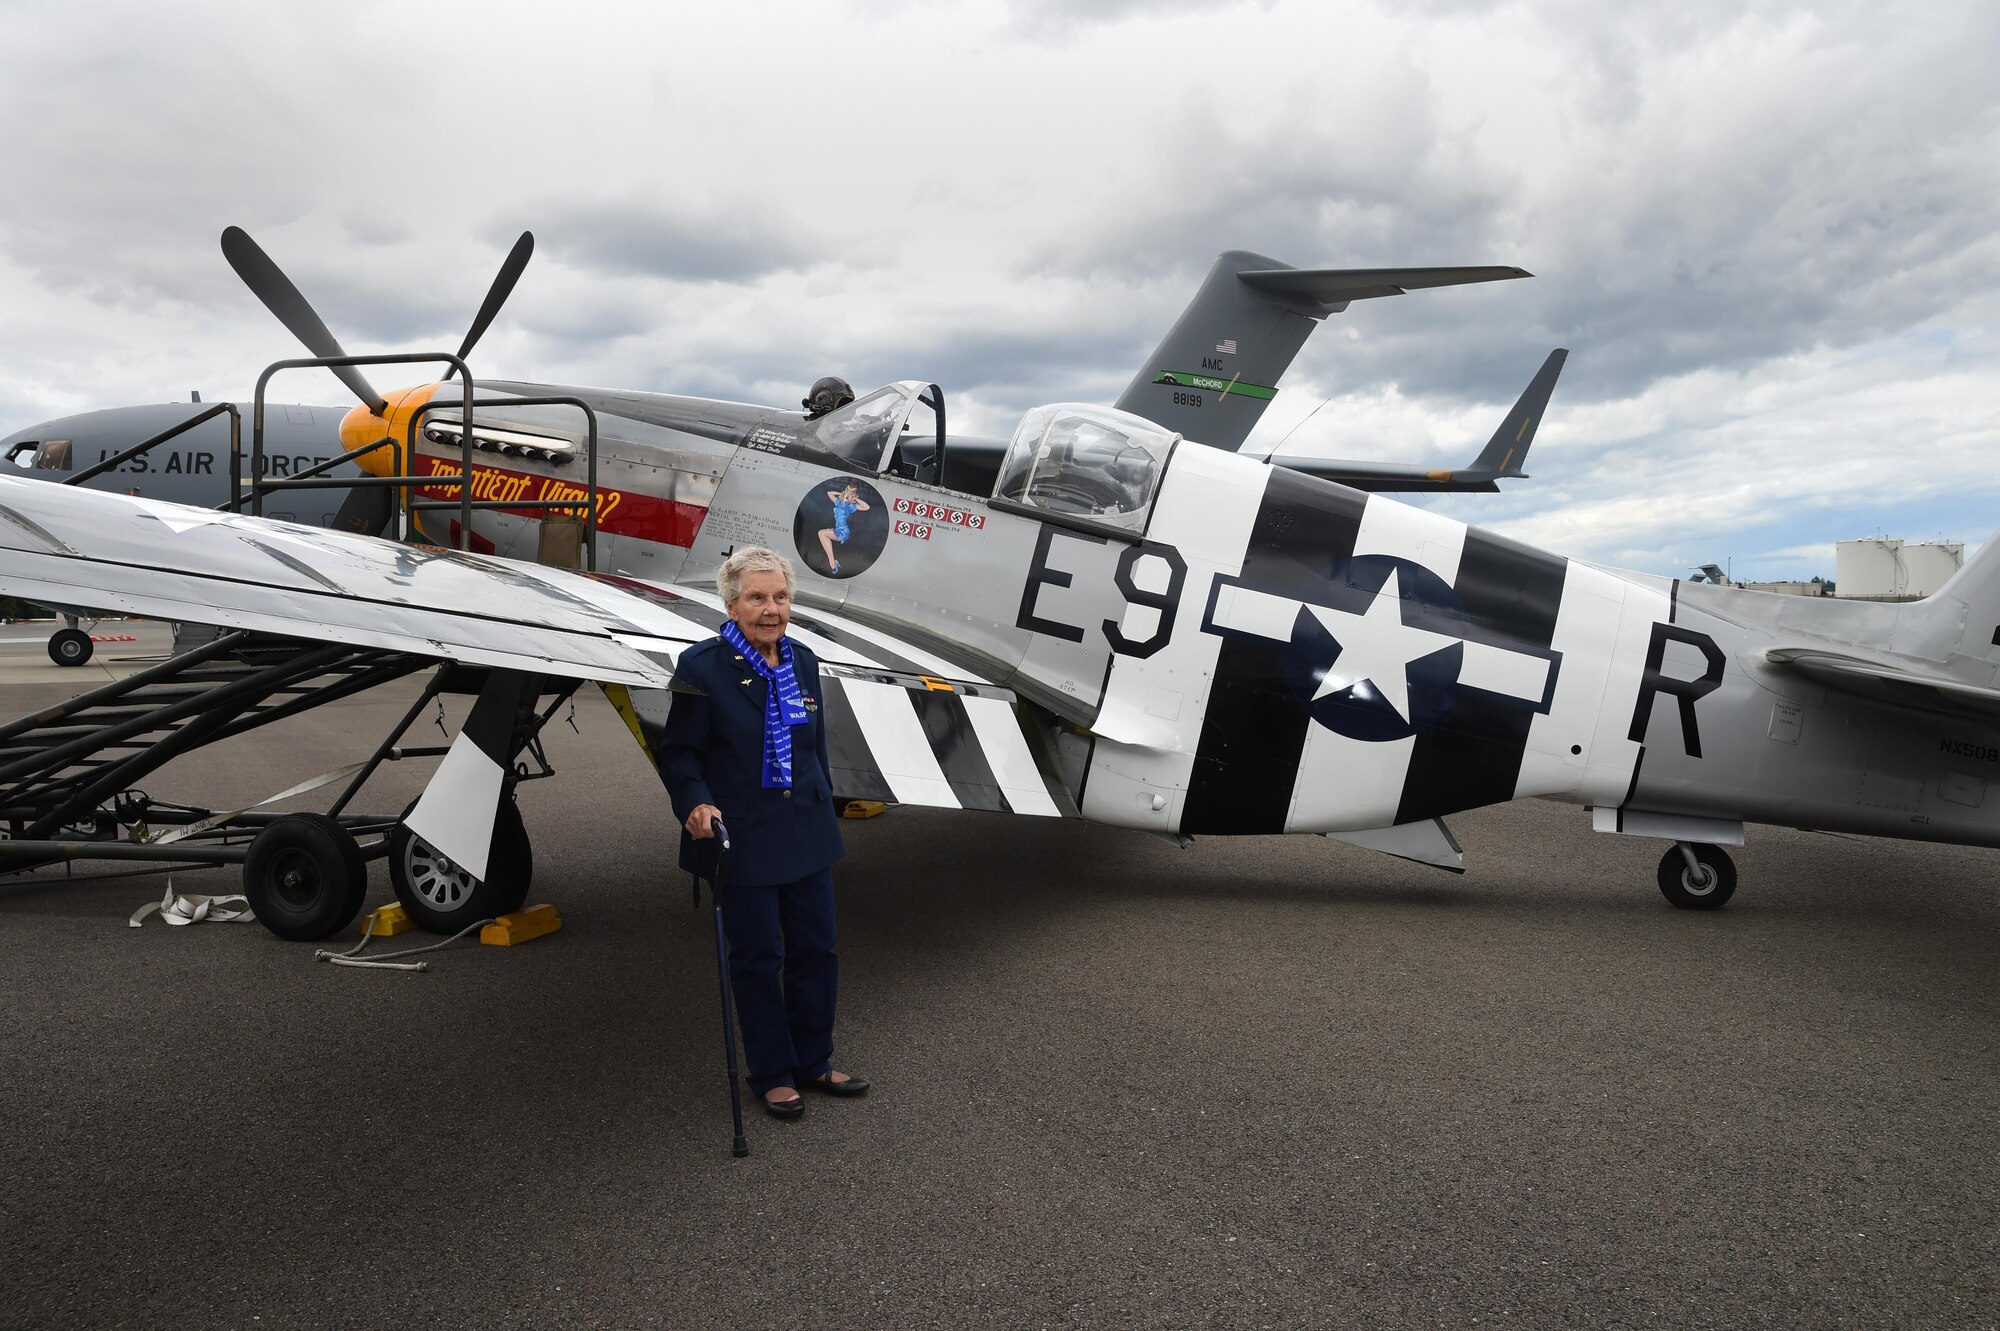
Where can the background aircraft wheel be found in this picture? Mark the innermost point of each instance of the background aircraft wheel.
(305, 877)
(70, 647)
(443, 897)
(1707, 889)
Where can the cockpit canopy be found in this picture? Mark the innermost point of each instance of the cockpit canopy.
(1095, 463)
(864, 433)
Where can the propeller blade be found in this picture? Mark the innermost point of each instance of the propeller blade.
(496, 295)
(365, 511)
(269, 284)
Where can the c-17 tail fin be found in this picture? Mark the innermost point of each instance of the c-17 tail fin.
(1501, 458)
(1220, 363)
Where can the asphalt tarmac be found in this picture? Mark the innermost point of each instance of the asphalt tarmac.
(1258, 1083)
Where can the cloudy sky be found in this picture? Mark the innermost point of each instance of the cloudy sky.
(1767, 233)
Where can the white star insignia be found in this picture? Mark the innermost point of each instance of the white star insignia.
(1377, 648)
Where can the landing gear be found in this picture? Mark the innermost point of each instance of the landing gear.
(441, 896)
(70, 647)
(305, 877)
(1697, 877)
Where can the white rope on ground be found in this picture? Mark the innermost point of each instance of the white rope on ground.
(176, 909)
(386, 961)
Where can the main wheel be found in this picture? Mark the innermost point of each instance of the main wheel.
(305, 877)
(70, 647)
(441, 896)
(1706, 887)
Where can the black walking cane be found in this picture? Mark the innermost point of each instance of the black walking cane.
(742, 1144)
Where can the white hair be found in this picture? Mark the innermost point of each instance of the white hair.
(752, 559)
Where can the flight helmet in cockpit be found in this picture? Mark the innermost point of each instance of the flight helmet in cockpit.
(826, 394)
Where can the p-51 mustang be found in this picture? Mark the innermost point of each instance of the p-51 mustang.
(1125, 625)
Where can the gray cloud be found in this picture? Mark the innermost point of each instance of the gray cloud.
(1764, 232)
(685, 241)
(1042, 18)
(380, 227)
(1663, 246)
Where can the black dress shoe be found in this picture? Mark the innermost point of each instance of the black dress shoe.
(852, 1086)
(791, 1108)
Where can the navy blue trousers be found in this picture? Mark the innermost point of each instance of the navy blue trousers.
(785, 975)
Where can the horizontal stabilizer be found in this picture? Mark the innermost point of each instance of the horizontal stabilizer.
(1890, 681)
(1338, 286)
(1219, 366)
(1500, 459)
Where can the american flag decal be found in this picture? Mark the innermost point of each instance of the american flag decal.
(1226, 347)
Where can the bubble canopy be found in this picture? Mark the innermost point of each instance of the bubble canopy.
(1080, 461)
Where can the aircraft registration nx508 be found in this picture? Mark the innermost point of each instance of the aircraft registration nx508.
(1124, 625)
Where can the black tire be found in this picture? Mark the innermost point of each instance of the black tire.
(442, 897)
(1687, 890)
(70, 647)
(305, 877)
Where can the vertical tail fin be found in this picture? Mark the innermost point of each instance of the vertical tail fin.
(1961, 618)
(1221, 361)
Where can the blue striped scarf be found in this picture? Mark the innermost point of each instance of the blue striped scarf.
(783, 705)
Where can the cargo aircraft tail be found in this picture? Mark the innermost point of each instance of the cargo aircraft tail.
(1220, 363)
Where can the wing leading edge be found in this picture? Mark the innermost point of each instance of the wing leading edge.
(167, 561)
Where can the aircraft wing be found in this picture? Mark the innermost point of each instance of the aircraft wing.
(166, 561)
(899, 728)
(1501, 459)
(904, 725)
(1890, 681)
(910, 739)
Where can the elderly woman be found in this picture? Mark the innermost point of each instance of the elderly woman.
(750, 750)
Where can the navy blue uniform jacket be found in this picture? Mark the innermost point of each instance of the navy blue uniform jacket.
(712, 752)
